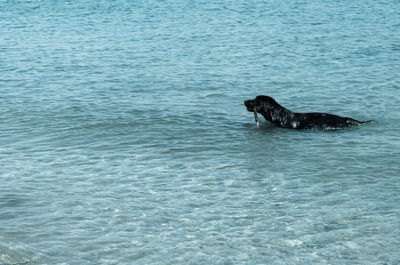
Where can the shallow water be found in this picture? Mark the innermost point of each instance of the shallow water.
(124, 138)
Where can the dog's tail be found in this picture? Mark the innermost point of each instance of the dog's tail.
(351, 121)
(369, 121)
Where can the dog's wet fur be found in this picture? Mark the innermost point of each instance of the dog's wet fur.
(282, 117)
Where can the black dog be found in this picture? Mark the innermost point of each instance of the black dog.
(280, 116)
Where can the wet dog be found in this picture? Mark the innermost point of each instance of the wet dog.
(282, 117)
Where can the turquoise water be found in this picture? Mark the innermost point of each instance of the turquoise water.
(124, 138)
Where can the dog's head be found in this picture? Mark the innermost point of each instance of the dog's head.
(260, 103)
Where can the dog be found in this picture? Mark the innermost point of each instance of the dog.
(282, 117)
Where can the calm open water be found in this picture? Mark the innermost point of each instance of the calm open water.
(124, 138)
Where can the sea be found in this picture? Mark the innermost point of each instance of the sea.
(124, 138)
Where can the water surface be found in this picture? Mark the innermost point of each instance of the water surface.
(124, 138)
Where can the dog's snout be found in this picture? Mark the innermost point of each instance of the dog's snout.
(248, 103)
